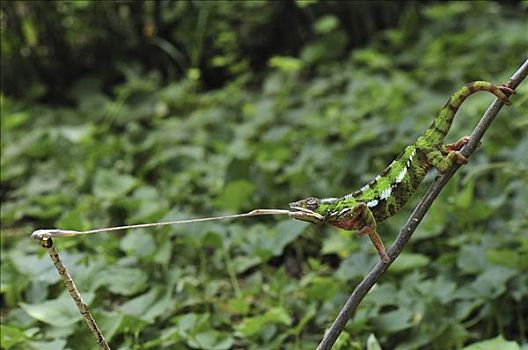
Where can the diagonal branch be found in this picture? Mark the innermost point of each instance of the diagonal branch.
(416, 217)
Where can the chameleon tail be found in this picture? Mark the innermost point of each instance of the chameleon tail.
(440, 126)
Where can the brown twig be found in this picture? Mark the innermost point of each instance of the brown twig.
(416, 217)
(76, 296)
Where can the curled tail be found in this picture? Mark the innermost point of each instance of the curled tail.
(440, 126)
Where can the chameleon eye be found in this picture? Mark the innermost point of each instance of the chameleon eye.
(311, 203)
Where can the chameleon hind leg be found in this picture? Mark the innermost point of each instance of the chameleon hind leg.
(370, 229)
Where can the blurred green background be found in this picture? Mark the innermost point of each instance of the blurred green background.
(128, 112)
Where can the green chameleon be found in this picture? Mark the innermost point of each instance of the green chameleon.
(388, 192)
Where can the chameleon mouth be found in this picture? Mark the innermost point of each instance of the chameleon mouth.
(293, 205)
(304, 214)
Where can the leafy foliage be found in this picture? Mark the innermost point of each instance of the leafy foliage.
(321, 123)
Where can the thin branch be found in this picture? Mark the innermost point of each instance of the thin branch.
(76, 296)
(416, 217)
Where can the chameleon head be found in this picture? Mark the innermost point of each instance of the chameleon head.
(307, 210)
(309, 204)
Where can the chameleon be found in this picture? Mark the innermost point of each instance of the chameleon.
(388, 192)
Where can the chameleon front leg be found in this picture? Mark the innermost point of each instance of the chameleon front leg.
(370, 229)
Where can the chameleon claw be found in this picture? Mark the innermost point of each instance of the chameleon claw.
(465, 139)
(507, 91)
(460, 158)
(385, 258)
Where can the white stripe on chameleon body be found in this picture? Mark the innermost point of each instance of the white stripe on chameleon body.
(344, 211)
(386, 193)
(401, 175)
(372, 203)
(328, 200)
(411, 156)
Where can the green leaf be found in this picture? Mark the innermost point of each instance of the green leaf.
(109, 184)
(109, 322)
(305, 3)
(494, 344)
(11, 336)
(60, 312)
(125, 280)
(192, 323)
(57, 344)
(356, 265)
(394, 321)
(29, 31)
(465, 198)
(309, 314)
(322, 288)
(238, 306)
(235, 196)
(12, 121)
(409, 261)
(287, 232)
(285, 64)
(74, 134)
(73, 220)
(433, 224)
(508, 258)
(492, 282)
(326, 24)
(340, 242)
(472, 259)
(211, 340)
(138, 243)
(343, 342)
(148, 306)
(372, 343)
(251, 326)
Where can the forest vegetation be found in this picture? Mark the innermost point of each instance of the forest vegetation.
(118, 113)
